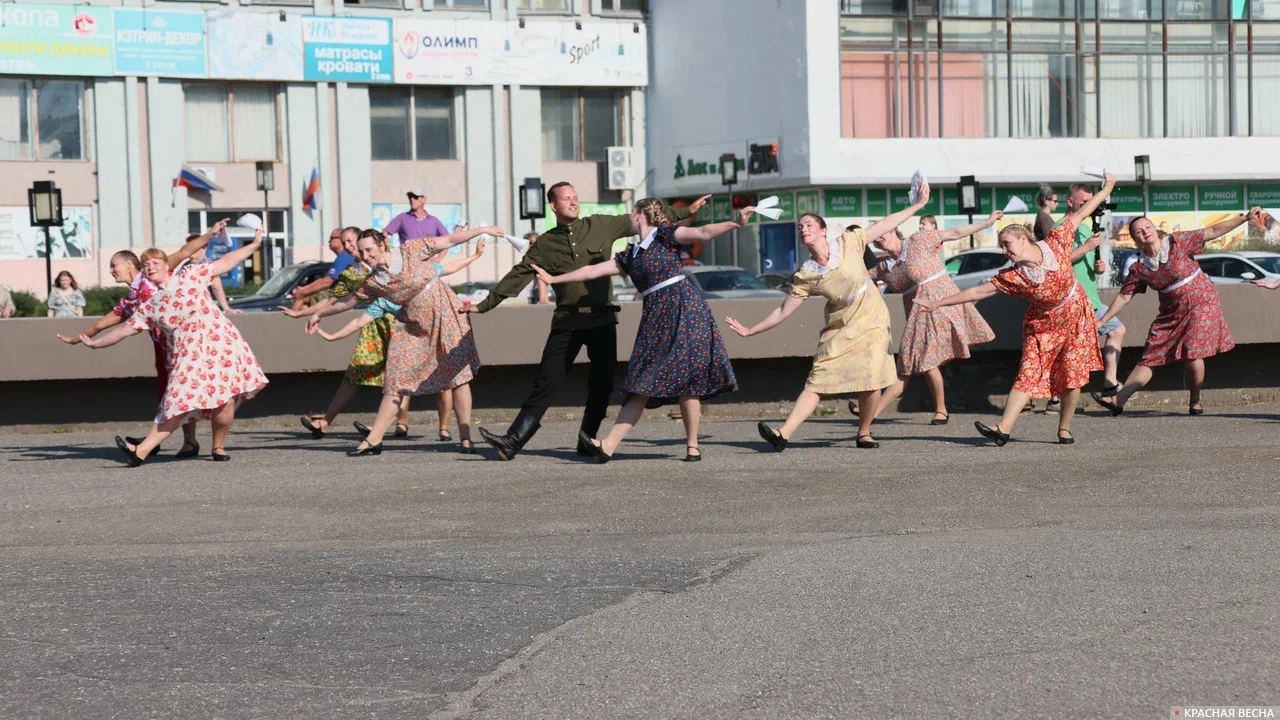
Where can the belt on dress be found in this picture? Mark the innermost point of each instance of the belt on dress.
(1182, 282)
(1070, 294)
(854, 298)
(926, 281)
(665, 283)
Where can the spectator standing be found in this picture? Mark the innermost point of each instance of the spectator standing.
(65, 300)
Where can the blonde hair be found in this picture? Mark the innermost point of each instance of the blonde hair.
(1023, 231)
(652, 209)
(154, 253)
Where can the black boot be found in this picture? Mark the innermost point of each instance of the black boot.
(520, 432)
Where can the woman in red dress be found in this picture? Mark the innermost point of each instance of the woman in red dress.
(1189, 326)
(211, 368)
(1059, 335)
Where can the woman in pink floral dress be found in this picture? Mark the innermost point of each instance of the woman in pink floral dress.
(929, 339)
(211, 368)
(1189, 326)
(431, 349)
(1059, 336)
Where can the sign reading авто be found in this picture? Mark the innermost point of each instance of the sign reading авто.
(55, 40)
(158, 42)
(347, 49)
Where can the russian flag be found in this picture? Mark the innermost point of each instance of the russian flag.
(195, 180)
(311, 193)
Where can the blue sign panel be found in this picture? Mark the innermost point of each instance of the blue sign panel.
(347, 49)
(157, 42)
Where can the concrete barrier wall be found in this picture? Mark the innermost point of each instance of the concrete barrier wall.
(514, 335)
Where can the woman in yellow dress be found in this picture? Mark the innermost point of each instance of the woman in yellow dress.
(853, 349)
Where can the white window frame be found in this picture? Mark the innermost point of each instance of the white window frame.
(609, 8)
(623, 111)
(232, 155)
(570, 9)
(413, 124)
(32, 102)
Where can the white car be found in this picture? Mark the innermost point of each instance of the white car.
(1238, 268)
(974, 267)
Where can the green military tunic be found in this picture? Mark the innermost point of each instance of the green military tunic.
(564, 248)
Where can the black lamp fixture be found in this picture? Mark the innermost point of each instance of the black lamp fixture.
(1142, 168)
(729, 169)
(969, 193)
(533, 201)
(44, 201)
(266, 174)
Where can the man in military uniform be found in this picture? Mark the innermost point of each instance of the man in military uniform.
(585, 315)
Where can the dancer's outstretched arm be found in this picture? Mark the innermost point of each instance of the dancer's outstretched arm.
(349, 329)
(115, 335)
(965, 231)
(973, 294)
(1114, 308)
(1218, 229)
(453, 267)
(436, 244)
(196, 245)
(228, 262)
(582, 274)
(892, 221)
(780, 313)
(691, 235)
(338, 306)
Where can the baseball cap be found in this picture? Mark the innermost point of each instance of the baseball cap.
(417, 191)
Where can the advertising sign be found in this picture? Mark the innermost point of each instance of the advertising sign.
(55, 40)
(255, 46)
(347, 49)
(158, 42)
(20, 241)
(446, 52)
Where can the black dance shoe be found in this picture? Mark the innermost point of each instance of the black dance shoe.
(189, 450)
(1101, 400)
(778, 442)
(138, 441)
(867, 443)
(366, 450)
(1069, 439)
(220, 456)
(689, 454)
(361, 428)
(317, 432)
(597, 451)
(130, 453)
(992, 433)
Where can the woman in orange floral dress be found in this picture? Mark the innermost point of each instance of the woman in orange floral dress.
(1059, 335)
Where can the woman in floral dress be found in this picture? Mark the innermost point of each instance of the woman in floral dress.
(853, 349)
(211, 368)
(929, 339)
(1059, 335)
(678, 356)
(66, 300)
(368, 359)
(431, 348)
(1189, 326)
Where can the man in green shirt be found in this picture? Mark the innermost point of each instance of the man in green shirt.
(585, 315)
(1087, 270)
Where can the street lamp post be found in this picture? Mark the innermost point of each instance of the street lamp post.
(533, 201)
(729, 178)
(969, 191)
(44, 201)
(266, 183)
(1142, 171)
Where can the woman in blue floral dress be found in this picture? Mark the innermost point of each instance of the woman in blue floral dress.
(678, 354)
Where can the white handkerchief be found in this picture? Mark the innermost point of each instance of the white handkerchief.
(768, 202)
(1015, 205)
(772, 213)
(250, 221)
(1273, 212)
(1093, 171)
(520, 244)
(917, 180)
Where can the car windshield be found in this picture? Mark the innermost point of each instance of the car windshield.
(1270, 263)
(721, 280)
(281, 281)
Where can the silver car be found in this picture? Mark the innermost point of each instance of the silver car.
(726, 282)
(974, 267)
(1238, 268)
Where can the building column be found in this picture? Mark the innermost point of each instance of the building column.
(526, 146)
(167, 146)
(355, 157)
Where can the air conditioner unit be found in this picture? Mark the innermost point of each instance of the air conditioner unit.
(621, 168)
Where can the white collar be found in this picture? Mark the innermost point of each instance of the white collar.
(1160, 258)
(645, 243)
(1048, 263)
(833, 260)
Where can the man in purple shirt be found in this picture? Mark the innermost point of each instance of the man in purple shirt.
(417, 223)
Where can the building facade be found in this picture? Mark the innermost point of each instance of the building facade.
(368, 98)
(855, 96)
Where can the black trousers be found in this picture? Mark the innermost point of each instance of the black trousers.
(557, 357)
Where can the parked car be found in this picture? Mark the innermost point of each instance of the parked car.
(776, 280)
(1268, 261)
(725, 282)
(624, 290)
(974, 267)
(475, 291)
(275, 291)
(1120, 259)
(1232, 268)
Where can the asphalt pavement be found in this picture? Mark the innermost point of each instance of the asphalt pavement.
(936, 576)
